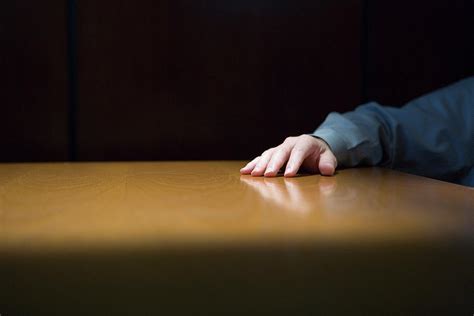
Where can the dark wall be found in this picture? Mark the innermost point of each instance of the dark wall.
(183, 79)
(414, 47)
(214, 79)
(33, 81)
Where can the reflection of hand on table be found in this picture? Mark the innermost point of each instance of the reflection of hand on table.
(303, 193)
(283, 192)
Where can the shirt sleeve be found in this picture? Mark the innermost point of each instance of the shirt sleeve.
(431, 136)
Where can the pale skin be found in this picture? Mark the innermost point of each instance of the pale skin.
(304, 152)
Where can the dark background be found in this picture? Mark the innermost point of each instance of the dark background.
(188, 79)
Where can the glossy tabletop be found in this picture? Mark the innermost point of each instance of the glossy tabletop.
(65, 216)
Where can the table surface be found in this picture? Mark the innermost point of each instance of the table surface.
(190, 203)
(187, 231)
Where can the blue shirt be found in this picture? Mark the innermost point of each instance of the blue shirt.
(432, 136)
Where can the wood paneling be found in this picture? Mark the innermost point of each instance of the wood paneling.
(417, 46)
(211, 79)
(214, 79)
(33, 81)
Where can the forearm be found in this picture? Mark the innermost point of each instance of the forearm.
(432, 135)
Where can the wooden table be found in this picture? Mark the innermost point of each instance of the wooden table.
(198, 238)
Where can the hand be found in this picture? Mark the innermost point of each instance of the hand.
(310, 153)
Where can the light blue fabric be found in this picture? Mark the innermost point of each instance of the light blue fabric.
(432, 136)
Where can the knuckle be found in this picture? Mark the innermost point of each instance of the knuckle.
(285, 149)
(267, 152)
(307, 138)
(298, 151)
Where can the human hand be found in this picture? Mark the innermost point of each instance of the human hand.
(307, 152)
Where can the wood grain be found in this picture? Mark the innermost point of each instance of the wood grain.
(123, 237)
(94, 205)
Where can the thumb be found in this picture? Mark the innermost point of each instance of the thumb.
(327, 163)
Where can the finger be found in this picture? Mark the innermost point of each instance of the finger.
(298, 155)
(278, 159)
(327, 163)
(262, 163)
(249, 167)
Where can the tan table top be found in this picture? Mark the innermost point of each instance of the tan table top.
(190, 230)
(178, 203)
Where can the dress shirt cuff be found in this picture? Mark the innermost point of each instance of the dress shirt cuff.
(336, 143)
